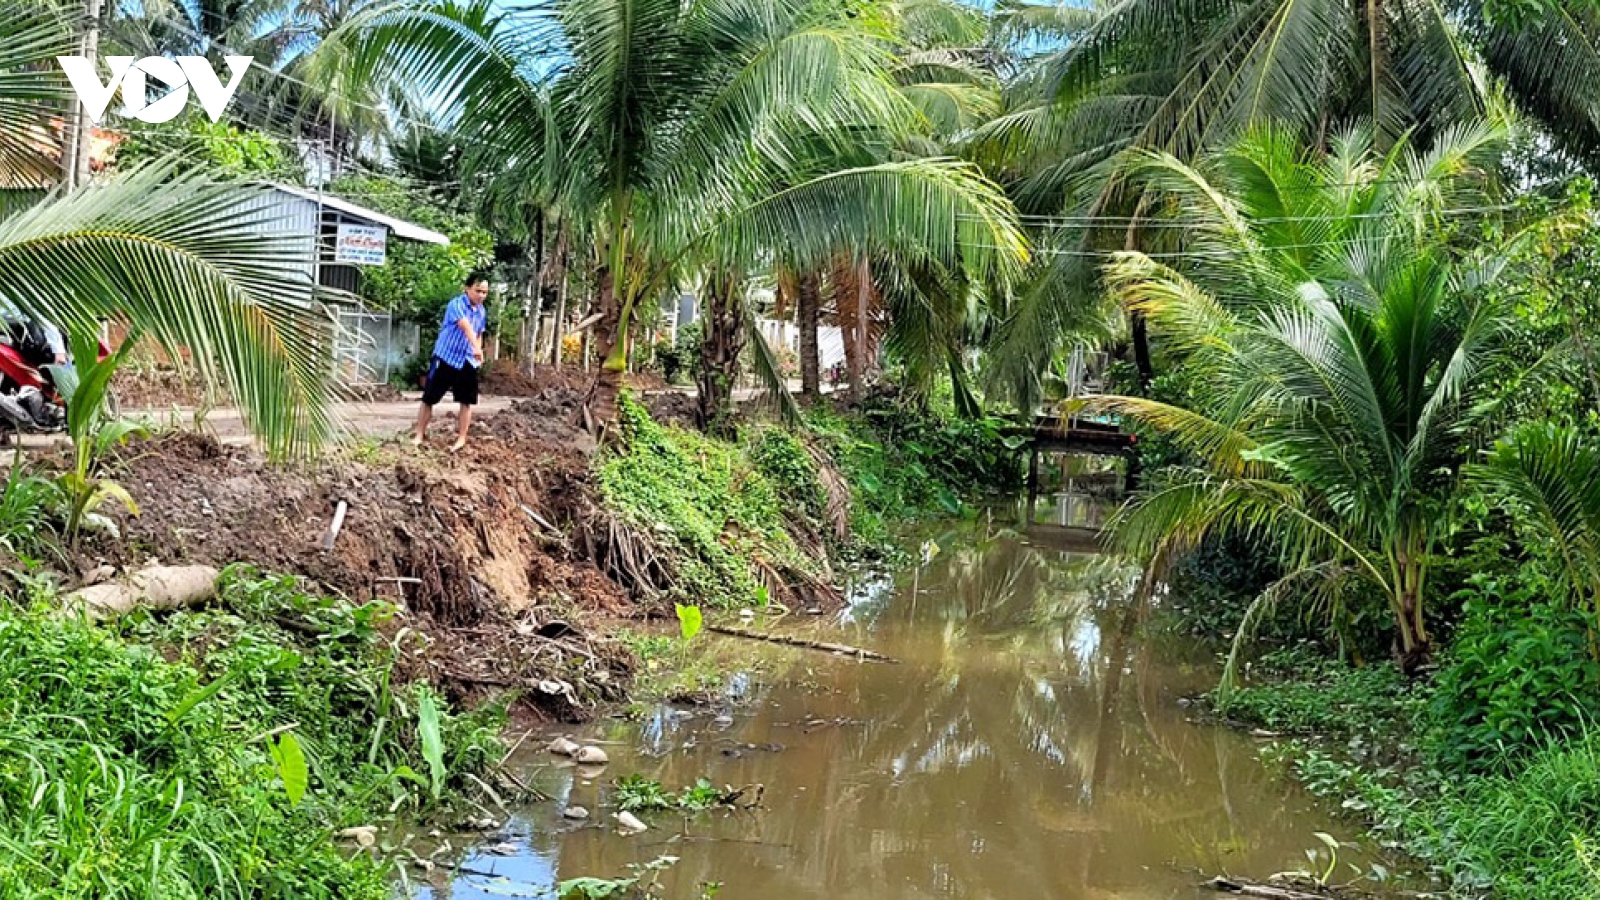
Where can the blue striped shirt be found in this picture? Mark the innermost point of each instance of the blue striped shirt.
(452, 345)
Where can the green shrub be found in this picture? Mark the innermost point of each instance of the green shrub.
(780, 456)
(1325, 697)
(1519, 673)
(31, 507)
(904, 464)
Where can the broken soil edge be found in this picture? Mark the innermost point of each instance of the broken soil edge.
(447, 538)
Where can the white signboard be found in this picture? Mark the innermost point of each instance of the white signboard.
(363, 245)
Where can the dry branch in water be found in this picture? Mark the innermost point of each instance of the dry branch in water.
(802, 642)
(1264, 891)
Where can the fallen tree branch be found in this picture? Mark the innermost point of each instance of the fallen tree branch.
(785, 639)
(158, 587)
(1263, 891)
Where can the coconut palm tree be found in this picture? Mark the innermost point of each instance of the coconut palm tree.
(669, 132)
(1200, 70)
(1331, 312)
(1181, 76)
(1551, 473)
(187, 260)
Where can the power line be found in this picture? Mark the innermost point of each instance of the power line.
(315, 89)
(1157, 222)
(1214, 254)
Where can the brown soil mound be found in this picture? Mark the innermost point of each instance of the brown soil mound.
(369, 393)
(505, 379)
(153, 388)
(474, 546)
(672, 408)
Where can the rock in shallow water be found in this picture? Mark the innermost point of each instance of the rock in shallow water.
(563, 747)
(591, 756)
(575, 812)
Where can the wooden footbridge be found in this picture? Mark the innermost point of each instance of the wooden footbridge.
(1077, 435)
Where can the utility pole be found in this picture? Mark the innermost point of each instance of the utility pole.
(78, 139)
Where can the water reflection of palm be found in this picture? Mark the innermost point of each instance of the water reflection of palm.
(1029, 745)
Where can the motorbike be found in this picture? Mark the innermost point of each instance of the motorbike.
(29, 400)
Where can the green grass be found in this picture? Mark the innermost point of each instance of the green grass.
(707, 503)
(1306, 693)
(137, 761)
(1376, 750)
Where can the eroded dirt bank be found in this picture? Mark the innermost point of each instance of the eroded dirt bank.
(489, 554)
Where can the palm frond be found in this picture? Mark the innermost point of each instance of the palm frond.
(775, 388)
(34, 94)
(939, 210)
(194, 263)
(1553, 472)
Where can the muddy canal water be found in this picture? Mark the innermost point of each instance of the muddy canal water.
(1030, 742)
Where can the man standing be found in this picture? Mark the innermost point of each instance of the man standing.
(457, 354)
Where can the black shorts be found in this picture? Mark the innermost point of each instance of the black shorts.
(462, 383)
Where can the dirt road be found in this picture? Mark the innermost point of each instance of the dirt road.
(381, 419)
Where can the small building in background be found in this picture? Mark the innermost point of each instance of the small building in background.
(341, 240)
(348, 236)
(338, 240)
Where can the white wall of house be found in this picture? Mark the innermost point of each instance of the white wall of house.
(782, 334)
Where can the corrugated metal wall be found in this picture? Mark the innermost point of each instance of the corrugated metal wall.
(297, 216)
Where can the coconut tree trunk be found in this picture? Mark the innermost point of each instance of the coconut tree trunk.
(1138, 328)
(75, 151)
(532, 300)
(852, 283)
(552, 289)
(788, 285)
(532, 312)
(860, 336)
(1414, 649)
(558, 323)
(1140, 333)
(607, 331)
(808, 314)
(721, 341)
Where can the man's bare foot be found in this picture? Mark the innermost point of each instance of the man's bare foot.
(460, 442)
(416, 440)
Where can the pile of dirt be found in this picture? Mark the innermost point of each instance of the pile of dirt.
(370, 393)
(474, 547)
(647, 381)
(671, 407)
(159, 388)
(506, 379)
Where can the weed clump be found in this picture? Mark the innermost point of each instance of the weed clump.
(708, 504)
(903, 464)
